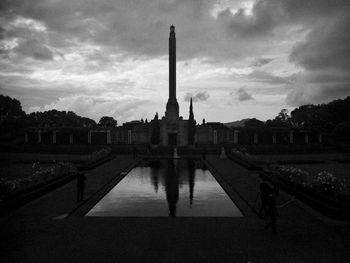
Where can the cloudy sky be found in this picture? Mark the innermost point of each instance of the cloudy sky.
(235, 58)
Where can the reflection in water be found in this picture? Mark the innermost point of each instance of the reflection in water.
(167, 188)
(191, 176)
(154, 176)
(172, 186)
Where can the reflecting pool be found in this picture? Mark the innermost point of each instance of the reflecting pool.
(183, 188)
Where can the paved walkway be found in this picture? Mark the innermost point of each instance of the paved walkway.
(31, 234)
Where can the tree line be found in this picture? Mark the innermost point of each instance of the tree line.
(13, 119)
(332, 118)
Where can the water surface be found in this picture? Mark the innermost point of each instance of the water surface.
(167, 188)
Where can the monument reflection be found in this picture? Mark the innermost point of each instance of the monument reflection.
(167, 187)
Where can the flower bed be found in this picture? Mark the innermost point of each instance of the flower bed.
(323, 191)
(97, 158)
(97, 155)
(324, 183)
(38, 176)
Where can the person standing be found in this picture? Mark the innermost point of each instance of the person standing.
(271, 211)
(80, 186)
(272, 208)
(265, 190)
(134, 150)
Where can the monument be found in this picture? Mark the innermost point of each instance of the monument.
(173, 129)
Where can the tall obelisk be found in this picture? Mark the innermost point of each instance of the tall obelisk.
(172, 107)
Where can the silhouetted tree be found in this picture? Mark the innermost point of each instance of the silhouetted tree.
(108, 122)
(86, 122)
(254, 123)
(310, 116)
(281, 120)
(12, 117)
(10, 109)
(325, 116)
(56, 119)
(341, 132)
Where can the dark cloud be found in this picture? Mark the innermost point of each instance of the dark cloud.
(2, 32)
(266, 15)
(30, 93)
(197, 96)
(257, 24)
(138, 28)
(262, 76)
(326, 47)
(324, 52)
(259, 62)
(33, 48)
(325, 56)
(316, 94)
(36, 92)
(121, 109)
(242, 95)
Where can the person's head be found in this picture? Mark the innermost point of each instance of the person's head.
(263, 177)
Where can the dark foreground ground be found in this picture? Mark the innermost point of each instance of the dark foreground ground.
(41, 231)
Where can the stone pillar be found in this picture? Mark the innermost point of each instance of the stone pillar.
(109, 141)
(235, 137)
(54, 137)
(291, 137)
(129, 137)
(274, 138)
(39, 136)
(89, 137)
(255, 138)
(26, 137)
(71, 138)
(215, 137)
(320, 138)
(306, 138)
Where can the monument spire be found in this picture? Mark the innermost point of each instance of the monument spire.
(191, 110)
(191, 125)
(172, 106)
(172, 63)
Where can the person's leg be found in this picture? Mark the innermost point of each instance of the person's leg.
(78, 193)
(268, 225)
(262, 210)
(82, 193)
(273, 223)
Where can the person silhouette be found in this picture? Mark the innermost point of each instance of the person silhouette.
(134, 152)
(271, 210)
(80, 186)
(265, 190)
